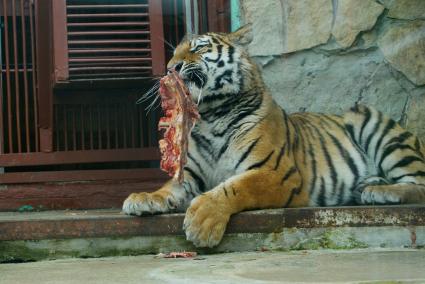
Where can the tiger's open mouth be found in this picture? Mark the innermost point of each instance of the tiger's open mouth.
(194, 75)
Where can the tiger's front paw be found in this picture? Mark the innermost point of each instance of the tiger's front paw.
(145, 203)
(205, 221)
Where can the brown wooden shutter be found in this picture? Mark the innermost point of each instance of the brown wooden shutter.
(104, 40)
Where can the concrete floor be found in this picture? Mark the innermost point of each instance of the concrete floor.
(337, 266)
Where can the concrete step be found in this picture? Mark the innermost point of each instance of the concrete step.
(98, 233)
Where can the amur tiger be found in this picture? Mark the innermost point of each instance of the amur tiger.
(246, 152)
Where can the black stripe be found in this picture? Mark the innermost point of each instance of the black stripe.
(390, 125)
(415, 174)
(215, 40)
(203, 145)
(288, 138)
(418, 146)
(340, 193)
(367, 119)
(213, 97)
(196, 163)
(200, 182)
(279, 157)
(313, 168)
(288, 174)
(226, 75)
(350, 130)
(260, 163)
(390, 149)
(231, 52)
(294, 191)
(246, 153)
(331, 166)
(401, 138)
(321, 199)
(338, 124)
(225, 191)
(405, 162)
(346, 155)
(219, 51)
(373, 132)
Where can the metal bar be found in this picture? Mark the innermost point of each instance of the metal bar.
(107, 15)
(110, 68)
(132, 32)
(18, 70)
(116, 127)
(91, 127)
(34, 76)
(74, 130)
(111, 77)
(109, 59)
(85, 175)
(99, 129)
(157, 37)
(24, 61)
(195, 13)
(188, 16)
(65, 127)
(141, 128)
(176, 19)
(108, 24)
(77, 157)
(107, 50)
(56, 113)
(133, 137)
(212, 16)
(125, 113)
(17, 91)
(60, 41)
(83, 145)
(106, 6)
(108, 128)
(1, 101)
(44, 72)
(108, 41)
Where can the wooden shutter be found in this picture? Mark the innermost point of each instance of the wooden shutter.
(104, 40)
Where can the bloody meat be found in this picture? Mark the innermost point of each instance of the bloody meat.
(180, 115)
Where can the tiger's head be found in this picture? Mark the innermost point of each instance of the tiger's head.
(214, 64)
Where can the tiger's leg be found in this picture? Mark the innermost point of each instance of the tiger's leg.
(172, 197)
(405, 168)
(397, 155)
(209, 213)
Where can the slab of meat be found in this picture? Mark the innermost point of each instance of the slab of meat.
(184, 254)
(180, 114)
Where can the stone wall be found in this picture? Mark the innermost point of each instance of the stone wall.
(327, 55)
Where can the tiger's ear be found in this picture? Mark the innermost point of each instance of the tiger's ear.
(242, 36)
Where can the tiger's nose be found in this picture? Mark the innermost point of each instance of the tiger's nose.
(177, 67)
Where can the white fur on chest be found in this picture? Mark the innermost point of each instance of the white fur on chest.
(216, 168)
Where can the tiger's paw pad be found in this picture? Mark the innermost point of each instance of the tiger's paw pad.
(205, 222)
(144, 203)
(381, 195)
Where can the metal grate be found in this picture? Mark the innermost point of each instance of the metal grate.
(103, 122)
(112, 39)
(18, 103)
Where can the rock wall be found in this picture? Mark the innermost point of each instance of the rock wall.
(327, 55)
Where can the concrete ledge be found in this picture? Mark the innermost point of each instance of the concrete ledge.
(61, 234)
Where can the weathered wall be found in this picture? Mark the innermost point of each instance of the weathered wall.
(326, 55)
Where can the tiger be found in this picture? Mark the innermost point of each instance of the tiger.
(247, 153)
